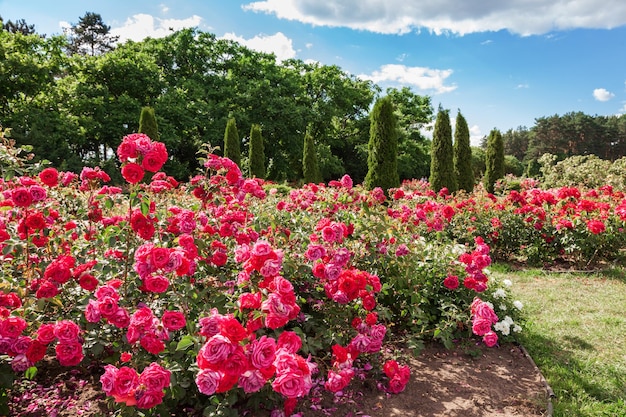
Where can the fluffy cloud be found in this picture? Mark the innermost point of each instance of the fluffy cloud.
(468, 16)
(601, 94)
(425, 79)
(141, 26)
(278, 44)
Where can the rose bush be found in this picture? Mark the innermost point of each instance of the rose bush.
(225, 292)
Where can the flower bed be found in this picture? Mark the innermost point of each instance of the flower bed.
(223, 293)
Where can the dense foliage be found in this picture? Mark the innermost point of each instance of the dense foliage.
(256, 154)
(494, 160)
(310, 165)
(463, 155)
(148, 123)
(442, 172)
(382, 158)
(232, 144)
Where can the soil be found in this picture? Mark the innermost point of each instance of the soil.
(477, 382)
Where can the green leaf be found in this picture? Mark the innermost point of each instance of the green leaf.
(185, 343)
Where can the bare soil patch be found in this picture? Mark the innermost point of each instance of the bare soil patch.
(489, 382)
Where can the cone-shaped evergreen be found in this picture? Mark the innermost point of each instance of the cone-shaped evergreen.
(463, 155)
(310, 165)
(442, 155)
(256, 156)
(494, 160)
(148, 124)
(382, 157)
(232, 150)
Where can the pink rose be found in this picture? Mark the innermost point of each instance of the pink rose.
(262, 352)
(217, 349)
(156, 283)
(120, 319)
(147, 399)
(292, 384)
(66, 331)
(251, 381)
(125, 381)
(490, 338)
(289, 341)
(45, 333)
(155, 377)
(208, 381)
(481, 326)
(12, 327)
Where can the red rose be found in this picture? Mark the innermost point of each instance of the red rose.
(152, 344)
(21, 197)
(596, 226)
(156, 283)
(36, 351)
(47, 290)
(154, 377)
(69, 353)
(173, 320)
(232, 329)
(153, 161)
(451, 282)
(88, 282)
(66, 331)
(49, 176)
(133, 173)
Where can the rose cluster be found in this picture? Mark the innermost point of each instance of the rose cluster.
(398, 376)
(483, 317)
(153, 263)
(126, 386)
(232, 355)
(475, 262)
(138, 153)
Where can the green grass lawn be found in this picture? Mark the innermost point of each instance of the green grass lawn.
(576, 333)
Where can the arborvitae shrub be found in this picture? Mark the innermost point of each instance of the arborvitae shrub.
(310, 165)
(463, 155)
(494, 160)
(442, 156)
(382, 162)
(232, 148)
(256, 156)
(148, 124)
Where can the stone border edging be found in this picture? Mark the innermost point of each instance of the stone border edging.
(549, 391)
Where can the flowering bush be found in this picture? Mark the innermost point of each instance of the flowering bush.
(216, 293)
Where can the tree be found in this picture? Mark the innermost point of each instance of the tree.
(463, 155)
(413, 113)
(310, 164)
(148, 123)
(382, 148)
(232, 149)
(441, 155)
(19, 26)
(90, 36)
(256, 156)
(494, 160)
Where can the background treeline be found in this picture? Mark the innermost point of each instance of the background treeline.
(73, 97)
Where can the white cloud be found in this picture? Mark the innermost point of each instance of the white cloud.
(523, 17)
(426, 79)
(522, 86)
(164, 8)
(278, 44)
(601, 94)
(141, 26)
(476, 135)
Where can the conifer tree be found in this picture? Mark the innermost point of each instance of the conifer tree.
(148, 124)
(232, 149)
(382, 158)
(310, 164)
(494, 160)
(442, 155)
(256, 155)
(463, 155)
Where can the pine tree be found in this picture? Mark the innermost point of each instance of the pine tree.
(382, 158)
(231, 142)
(90, 36)
(442, 155)
(256, 156)
(463, 155)
(494, 160)
(310, 164)
(148, 123)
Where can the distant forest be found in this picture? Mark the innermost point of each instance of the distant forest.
(73, 97)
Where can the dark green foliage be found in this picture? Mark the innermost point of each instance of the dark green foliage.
(256, 156)
(382, 162)
(494, 160)
(19, 26)
(232, 148)
(442, 155)
(148, 123)
(310, 164)
(463, 155)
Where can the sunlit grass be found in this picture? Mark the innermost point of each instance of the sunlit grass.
(576, 333)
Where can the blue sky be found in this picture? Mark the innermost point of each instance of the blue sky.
(502, 63)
